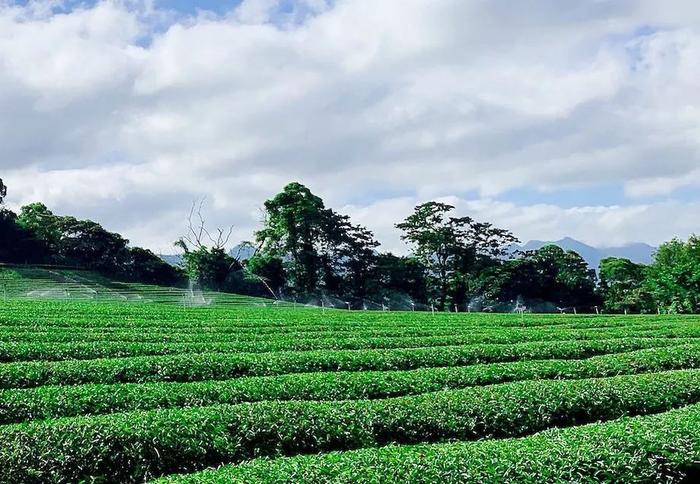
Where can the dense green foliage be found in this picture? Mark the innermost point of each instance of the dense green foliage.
(658, 448)
(674, 277)
(89, 399)
(130, 446)
(549, 275)
(452, 249)
(622, 284)
(39, 236)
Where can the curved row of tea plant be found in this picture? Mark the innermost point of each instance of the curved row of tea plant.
(53, 351)
(45, 402)
(275, 341)
(221, 366)
(137, 445)
(656, 448)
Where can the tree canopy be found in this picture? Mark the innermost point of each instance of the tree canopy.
(37, 235)
(306, 248)
(623, 286)
(674, 277)
(451, 248)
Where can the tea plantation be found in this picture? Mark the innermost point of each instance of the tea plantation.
(110, 391)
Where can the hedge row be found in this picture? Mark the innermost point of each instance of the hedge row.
(657, 448)
(45, 402)
(54, 345)
(51, 351)
(138, 445)
(221, 366)
(88, 314)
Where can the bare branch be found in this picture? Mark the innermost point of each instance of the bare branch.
(198, 230)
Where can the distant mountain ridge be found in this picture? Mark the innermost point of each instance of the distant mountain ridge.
(640, 253)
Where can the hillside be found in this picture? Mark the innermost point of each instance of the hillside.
(50, 283)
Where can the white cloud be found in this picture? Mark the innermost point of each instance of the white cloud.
(600, 226)
(363, 101)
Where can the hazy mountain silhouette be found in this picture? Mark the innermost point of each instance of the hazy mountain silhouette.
(636, 252)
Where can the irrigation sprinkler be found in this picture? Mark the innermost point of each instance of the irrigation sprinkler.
(597, 311)
(413, 306)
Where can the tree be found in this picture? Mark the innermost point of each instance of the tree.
(205, 258)
(674, 277)
(294, 226)
(399, 275)
(88, 245)
(319, 249)
(451, 248)
(144, 266)
(622, 286)
(549, 274)
(18, 245)
(3, 192)
(348, 256)
(270, 271)
(46, 226)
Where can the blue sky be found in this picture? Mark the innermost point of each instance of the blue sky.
(543, 119)
(184, 6)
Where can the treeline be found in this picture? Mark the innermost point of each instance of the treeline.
(308, 252)
(38, 236)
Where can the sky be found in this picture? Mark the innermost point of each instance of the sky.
(550, 118)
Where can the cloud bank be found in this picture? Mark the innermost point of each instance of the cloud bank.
(543, 117)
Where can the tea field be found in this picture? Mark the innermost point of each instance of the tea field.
(112, 391)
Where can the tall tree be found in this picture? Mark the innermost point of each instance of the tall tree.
(451, 248)
(674, 276)
(295, 224)
(316, 248)
(41, 221)
(87, 244)
(3, 192)
(622, 285)
(356, 258)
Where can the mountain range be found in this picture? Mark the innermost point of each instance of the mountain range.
(636, 252)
